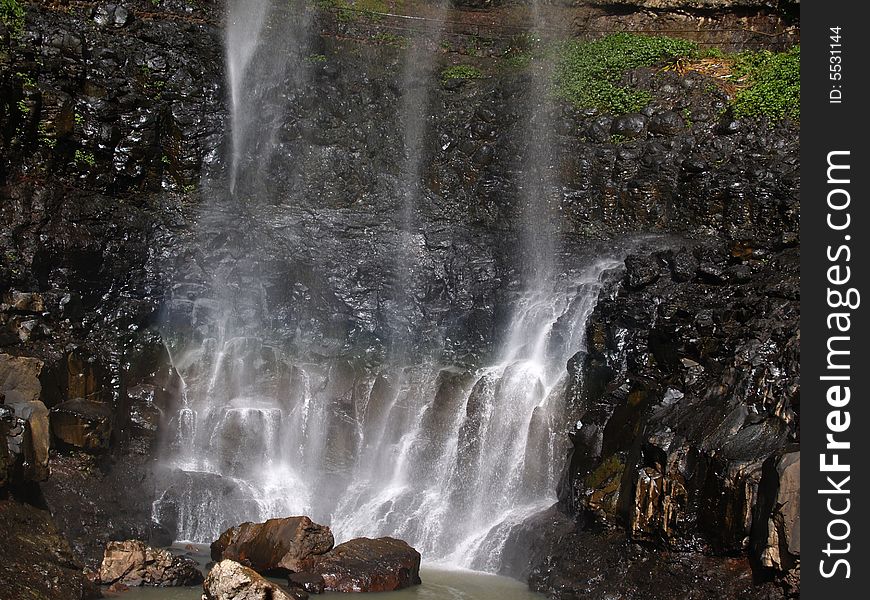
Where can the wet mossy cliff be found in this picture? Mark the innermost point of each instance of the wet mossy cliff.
(683, 480)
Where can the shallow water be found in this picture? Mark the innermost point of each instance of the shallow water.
(438, 584)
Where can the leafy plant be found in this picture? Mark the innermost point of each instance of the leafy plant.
(12, 15)
(587, 73)
(391, 39)
(85, 157)
(460, 72)
(773, 84)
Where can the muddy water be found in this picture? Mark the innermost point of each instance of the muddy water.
(437, 584)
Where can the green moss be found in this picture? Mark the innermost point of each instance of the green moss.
(774, 84)
(522, 49)
(460, 72)
(12, 15)
(609, 469)
(86, 158)
(316, 59)
(587, 73)
(391, 39)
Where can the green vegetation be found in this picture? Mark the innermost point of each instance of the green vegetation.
(610, 468)
(85, 157)
(774, 84)
(12, 15)
(523, 48)
(348, 10)
(316, 59)
(460, 72)
(391, 39)
(45, 135)
(587, 73)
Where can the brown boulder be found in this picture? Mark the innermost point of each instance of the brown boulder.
(367, 565)
(278, 545)
(28, 439)
(19, 378)
(229, 580)
(85, 424)
(133, 563)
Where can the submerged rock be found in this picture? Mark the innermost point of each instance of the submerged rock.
(367, 565)
(310, 582)
(274, 546)
(132, 563)
(229, 580)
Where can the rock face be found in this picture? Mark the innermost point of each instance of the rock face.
(367, 565)
(228, 580)
(132, 563)
(35, 560)
(689, 399)
(84, 424)
(274, 546)
(776, 531)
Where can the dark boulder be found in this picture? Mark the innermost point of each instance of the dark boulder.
(632, 125)
(278, 545)
(367, 565)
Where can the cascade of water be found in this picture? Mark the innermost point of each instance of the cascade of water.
(447, 458)
(417, 76)
(539, 213)
(244, 27)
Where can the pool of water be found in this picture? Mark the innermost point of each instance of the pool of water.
(438, 584)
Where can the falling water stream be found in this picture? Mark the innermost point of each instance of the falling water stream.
(450, 458)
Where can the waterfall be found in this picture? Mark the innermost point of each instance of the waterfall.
(449, 457)
(417, 77)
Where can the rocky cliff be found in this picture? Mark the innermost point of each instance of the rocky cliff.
(686, 403)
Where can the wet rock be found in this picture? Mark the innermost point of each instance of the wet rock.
(35, 559)
(132, 563)
(83, 424)
(229, 580)
(599, 129)
(683, 265)
(367, 565)
(675, 455)
(310, 582)
(641, 271)
(31, 302)
(632, 125)
(776, 541)
(19, 378)
(28, 439)
(274, 546)
(667, 123)
(112, 15)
